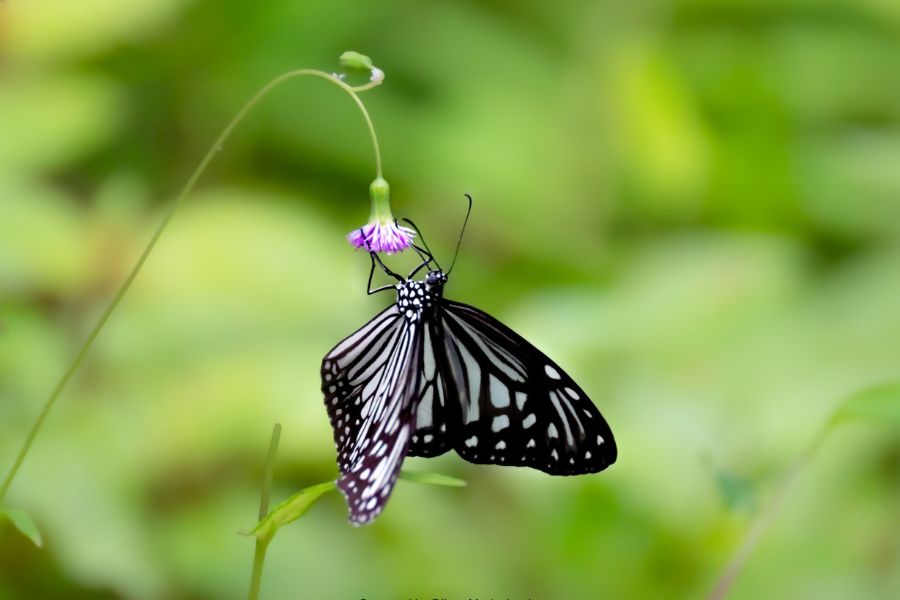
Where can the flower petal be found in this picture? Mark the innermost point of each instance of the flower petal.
(377, 237)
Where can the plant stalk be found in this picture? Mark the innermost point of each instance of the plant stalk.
(188, 188)
(762, 522)
(262, 544)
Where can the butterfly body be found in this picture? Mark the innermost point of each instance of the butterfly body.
(428, 375)
(415, 298)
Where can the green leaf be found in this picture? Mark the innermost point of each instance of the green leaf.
(355, 60)
(878, 404)
(431, 479)
(736, 492)
(290, 510)
(25, 524)
(297, 505)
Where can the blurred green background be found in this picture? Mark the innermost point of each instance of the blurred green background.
(692, 205)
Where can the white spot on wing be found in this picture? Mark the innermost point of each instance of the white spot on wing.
(555, 399)
(473, 371)
(551, 372)
(529, 421)
(393, 424)
(428, 356)
(424, 412)
(499, 393)
(520, 399)
(551, 431)
(500, 422)
(368, 392)
(472, 441)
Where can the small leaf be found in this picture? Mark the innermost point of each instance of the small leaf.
(25, 524)
(355, 60)
(736, 492)
(879, 404)
(290, 510)
(431, 479)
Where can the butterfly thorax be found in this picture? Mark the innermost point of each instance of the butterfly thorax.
(414, 298)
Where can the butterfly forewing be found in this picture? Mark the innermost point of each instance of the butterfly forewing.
(385, 431)
(377, 370)
(518, 407)
(350, 370)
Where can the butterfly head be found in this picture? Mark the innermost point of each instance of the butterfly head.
(435, 280)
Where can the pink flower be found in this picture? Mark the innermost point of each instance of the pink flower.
(382, 233)
(387, 237)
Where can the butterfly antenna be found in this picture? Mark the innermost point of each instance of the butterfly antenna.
(424, 243)
(461, 232)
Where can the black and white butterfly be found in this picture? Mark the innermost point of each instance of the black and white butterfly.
(428, 375)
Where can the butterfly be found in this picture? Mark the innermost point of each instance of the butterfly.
(428, 375)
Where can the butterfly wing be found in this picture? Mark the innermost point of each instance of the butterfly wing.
(348, 368)
(433, 413)
(370, 381)
(516, 406)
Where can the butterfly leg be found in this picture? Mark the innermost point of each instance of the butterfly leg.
(369, 289)
(424, 254)
(426, 259)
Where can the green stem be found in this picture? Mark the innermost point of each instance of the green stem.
(262, 544)
(188, 188)
(764, 520)
(259, 558)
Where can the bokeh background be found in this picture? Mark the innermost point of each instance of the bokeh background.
(694, 205)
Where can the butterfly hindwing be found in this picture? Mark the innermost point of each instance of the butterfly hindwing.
(433, 414)
(517, 406)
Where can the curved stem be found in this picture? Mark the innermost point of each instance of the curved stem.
(764, 520)
(259, 555)
(188, 188)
